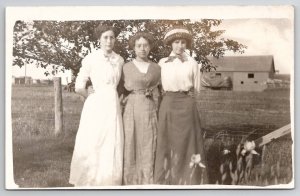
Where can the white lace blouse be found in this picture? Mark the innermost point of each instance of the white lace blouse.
(103, 71)
(180, 76)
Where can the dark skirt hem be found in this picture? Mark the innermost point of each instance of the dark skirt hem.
(179, 141)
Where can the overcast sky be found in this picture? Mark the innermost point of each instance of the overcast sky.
(38, 73)
(261, 36)
(264, 37)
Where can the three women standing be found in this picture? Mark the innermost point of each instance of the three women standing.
(141, 79)
(174, 144)
(98, 152)
(180, 152)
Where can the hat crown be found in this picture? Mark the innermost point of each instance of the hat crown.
(178, 33)
(176, 30)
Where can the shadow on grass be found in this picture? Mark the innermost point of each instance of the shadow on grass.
(42, 162)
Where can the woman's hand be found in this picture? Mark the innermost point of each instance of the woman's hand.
(123, 100)
(85, 92)
(191, 93)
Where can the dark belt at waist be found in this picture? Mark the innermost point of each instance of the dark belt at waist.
(147, 92)
(142, 91)
(189, 93)
(177, 92)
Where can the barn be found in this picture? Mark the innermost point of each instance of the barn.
(245, 73)
(22, 80)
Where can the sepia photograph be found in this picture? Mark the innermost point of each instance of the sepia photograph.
(149, 97)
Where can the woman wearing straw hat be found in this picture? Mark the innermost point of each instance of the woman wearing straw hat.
(180, 153)
(98, 152)
(141, 78)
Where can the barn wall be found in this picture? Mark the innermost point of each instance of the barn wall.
(271, 75)
(241, 82)
(226, 74)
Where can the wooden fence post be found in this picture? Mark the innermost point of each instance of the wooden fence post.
(58, 106)
(273, 135)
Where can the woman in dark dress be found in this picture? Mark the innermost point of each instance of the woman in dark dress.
(141, 78)
(180, 151)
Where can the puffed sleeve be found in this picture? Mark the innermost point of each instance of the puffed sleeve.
(197, 77)
(83, 75)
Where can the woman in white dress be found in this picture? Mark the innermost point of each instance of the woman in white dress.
(98, 153)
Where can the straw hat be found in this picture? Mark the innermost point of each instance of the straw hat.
(178, 32)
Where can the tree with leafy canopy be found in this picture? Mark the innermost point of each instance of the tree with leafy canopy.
(63, 44)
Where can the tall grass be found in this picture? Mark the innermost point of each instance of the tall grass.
(268, 165)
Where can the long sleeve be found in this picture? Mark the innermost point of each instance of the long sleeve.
(83, 75)
(121, 86)
(197, 77)
(157, 95)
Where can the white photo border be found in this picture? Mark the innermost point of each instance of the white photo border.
(133, 12)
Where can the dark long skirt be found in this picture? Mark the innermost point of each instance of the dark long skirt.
(179, 142)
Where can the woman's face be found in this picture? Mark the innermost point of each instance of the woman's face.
(142, 48)
(107, 40)
(179, 46)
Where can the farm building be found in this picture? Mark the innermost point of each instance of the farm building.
(29, 80)
(36, 81)
(22, 80)
(241, 73)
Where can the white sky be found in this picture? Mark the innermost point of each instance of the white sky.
(264, 37)
(261, 36)
(272, 34)
(38, 73)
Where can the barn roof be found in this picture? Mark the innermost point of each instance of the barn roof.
(244, 63)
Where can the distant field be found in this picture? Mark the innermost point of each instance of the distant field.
(243, 112)
(41, 160)
(286, 77)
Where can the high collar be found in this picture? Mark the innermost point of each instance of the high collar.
(113, 58)
(109, 56)
(182, 55)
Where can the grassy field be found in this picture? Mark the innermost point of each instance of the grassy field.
(242, 112)
(41, 160)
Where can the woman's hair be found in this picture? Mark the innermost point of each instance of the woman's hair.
(149, 37)
(103, 28)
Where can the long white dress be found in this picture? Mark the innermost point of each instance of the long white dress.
(98, 153)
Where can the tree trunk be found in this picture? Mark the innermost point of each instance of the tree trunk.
(58, 106)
